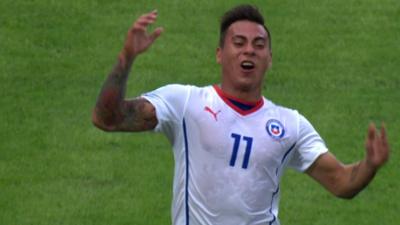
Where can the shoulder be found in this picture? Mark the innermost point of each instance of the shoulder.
(290, 118)
(280, 110)
(182, 90)
(296, 121)
(170, 91)
(173, 88)
(172, 96)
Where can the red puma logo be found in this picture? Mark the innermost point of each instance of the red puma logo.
(208, 109)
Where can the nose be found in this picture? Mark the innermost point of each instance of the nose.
(249, 49)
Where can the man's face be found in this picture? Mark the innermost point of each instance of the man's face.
(245, 56)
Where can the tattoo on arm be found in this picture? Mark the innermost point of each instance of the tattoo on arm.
(113, 113)
(139, 115)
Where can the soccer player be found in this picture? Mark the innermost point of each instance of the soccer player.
(231, 145)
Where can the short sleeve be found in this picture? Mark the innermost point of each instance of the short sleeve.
(309, 146)
(169, 102)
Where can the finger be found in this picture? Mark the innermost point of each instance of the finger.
(150, 19)
(141, 25)
(156, 33)
(144, 20)
(151, 16)
(370, 137)
(383, 131)
(371, 131)
(153, 12)
(384, 137)
(385, 149)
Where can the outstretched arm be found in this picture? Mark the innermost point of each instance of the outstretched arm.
(346, 181)
(112, 112)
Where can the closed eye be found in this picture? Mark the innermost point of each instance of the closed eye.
(238, 41)
(259, 43)
(238, 44)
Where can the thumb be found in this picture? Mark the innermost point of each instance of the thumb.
(156, 33)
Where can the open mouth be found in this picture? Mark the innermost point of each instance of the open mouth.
(247, 65)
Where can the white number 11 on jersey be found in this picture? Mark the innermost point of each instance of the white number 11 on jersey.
(236, 144)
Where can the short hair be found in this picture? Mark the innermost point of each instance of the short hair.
(238, 13)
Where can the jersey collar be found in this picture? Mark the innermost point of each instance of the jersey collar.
(225, 97)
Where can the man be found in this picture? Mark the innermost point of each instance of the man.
(231, 145)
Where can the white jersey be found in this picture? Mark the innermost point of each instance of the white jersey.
(229, 162)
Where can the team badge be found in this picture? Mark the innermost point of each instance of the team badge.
(275, 129)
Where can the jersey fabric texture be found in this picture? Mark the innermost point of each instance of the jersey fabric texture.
(229, 162)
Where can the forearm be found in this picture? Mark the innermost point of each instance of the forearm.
(346, 181)
(110, 103)
(354, 179)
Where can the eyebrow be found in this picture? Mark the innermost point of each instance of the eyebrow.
(260, 39)
(239, 36)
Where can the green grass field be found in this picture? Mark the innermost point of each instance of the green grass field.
(337, 62)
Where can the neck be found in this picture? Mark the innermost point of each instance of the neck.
(247, 95)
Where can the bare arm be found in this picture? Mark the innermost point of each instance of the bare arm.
(346, 181)
(112, 112)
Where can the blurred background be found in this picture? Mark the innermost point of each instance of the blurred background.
(337, 62)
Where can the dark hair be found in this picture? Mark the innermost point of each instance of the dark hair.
(241, 12)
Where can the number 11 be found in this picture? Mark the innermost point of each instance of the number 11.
(249, 142)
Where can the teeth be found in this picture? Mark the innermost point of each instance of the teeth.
(248, 65)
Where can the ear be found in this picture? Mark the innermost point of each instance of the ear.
(270, 59)
(219, 55)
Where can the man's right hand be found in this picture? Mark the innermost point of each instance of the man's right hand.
(138, 39)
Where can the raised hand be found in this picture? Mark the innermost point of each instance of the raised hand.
(377, 147)
(138, 39)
